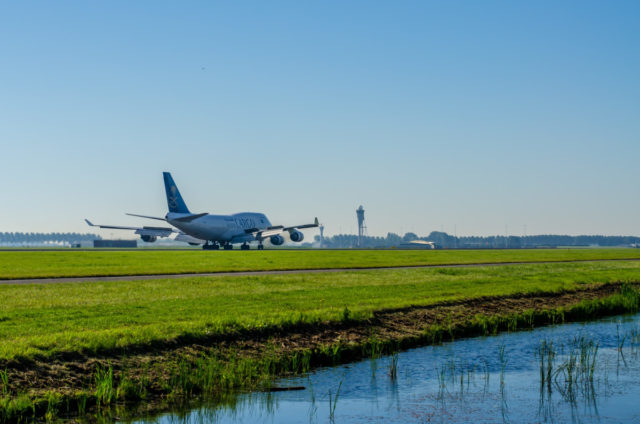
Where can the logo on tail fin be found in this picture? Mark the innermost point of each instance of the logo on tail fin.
(173, 198)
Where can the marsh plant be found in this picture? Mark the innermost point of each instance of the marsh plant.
(546, 355)
(393, 366)
(4, 383)
(313, 408)
(573, 374)
(486, 376)
(103, 379)
(503, 394)
(333, 402)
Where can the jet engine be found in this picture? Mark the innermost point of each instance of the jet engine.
(148, 239)
(277, 240)
(296, 236)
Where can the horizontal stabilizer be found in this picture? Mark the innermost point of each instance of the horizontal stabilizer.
(190, 218)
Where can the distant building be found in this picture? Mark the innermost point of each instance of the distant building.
(115, 243)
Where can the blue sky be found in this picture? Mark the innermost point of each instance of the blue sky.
(482, 117)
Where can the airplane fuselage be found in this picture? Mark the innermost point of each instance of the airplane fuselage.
(221, 228)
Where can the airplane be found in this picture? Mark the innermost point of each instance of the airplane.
(212, 231)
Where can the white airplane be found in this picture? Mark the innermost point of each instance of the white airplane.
(212, 231)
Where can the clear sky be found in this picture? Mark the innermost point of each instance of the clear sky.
(480, 116)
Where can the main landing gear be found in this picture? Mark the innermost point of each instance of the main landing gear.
(214, 245)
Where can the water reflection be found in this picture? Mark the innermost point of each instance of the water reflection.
(580, 373)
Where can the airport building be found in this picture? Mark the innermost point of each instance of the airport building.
(115, 244)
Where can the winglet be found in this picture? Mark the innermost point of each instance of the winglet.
(316, 222)
(89, 222)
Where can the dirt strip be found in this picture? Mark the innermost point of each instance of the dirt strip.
(72, 371)
(95, 279)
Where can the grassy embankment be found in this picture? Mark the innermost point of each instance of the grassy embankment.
(69, 263)
(45, 320)
(124, 323)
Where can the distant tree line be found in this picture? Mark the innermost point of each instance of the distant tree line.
(446, 241)
(340, 241)
(45, 238)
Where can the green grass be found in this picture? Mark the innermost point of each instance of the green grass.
(69, 263)
(42, 320)
(218, 375)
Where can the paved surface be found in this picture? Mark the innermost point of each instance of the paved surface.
(275, 272)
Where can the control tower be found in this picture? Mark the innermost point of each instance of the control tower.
(362, 229)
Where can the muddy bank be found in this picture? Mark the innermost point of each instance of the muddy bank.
(73, 372)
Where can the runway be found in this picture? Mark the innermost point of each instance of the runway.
(101, 279)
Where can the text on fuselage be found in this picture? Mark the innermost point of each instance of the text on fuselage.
(245, 223)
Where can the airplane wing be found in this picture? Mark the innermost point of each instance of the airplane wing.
(298, 227)
(272, 231)
(152, 232)
(143, 231)
(188, 239)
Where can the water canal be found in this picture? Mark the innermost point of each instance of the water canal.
(580, 373)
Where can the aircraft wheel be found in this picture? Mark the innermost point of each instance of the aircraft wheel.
(210, 246)
(261, 246)
(228, 246)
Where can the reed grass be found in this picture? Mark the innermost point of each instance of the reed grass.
(393, 366)
(333, 403)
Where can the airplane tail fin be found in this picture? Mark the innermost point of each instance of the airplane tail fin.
(174, 199)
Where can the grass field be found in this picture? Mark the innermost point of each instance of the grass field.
(42, 320)
(68, 263)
